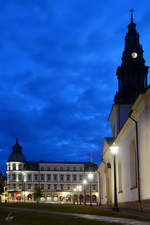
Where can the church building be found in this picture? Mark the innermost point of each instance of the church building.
(124, 177)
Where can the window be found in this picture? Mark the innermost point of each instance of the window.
(68, 177)
(80, 168)
(29, 186)
(42, 168)
(14, 186)
(55, 168)
(35, 176)
(55, 177)
(61, 187)
(29, 176)
(42, 176)
(133, 165)
(20, 167)
(119, 175)
(81, 177)
(14, 166)
(68, 168)
(74, 168)
(42, 186)
(68, 187)
(35, 185)
(20, 186)
(48, 176)
(20, 177)
(14, 176)
(61, 168)
(61, 177)
(55, 186)
(8, 167)
(48, 168)
(94, 187)
(74, 177)
(48, 186)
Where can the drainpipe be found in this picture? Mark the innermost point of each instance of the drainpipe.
(138, 167)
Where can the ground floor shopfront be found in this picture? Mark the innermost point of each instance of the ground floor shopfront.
(55, 197)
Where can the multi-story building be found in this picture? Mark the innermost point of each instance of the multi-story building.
(59, 181)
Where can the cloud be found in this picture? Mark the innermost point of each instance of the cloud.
(58, 75)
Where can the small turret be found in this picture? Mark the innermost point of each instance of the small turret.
(16, 155)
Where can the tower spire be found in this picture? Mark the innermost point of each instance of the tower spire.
(131, 10)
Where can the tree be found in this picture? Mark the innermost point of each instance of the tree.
(37, 193)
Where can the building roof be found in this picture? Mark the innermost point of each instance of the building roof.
(16, 155)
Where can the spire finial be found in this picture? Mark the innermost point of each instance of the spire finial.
(16, 141)
(131, 10)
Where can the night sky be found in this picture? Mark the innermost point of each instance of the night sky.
(58, 62)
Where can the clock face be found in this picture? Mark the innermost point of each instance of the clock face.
(134, 55)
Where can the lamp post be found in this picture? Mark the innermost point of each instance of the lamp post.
(84, 183)
(79, 188)
(90, 177)
(114, 150)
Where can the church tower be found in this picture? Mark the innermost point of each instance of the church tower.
(132, 78)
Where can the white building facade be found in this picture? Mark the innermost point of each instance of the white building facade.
(130, 123)
(59, 181)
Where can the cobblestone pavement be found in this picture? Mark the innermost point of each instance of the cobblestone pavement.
(85, 216)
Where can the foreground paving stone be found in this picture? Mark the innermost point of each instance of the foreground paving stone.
(85, 216)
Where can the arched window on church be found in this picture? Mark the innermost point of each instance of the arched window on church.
(119, 175)
(133, 165)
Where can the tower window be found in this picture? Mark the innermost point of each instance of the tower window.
(14, 166)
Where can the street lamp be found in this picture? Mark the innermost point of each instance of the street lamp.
(114, 150)
(79, 188)
(90, 177)
(84, 183)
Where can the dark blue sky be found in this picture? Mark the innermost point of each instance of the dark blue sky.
(57, 73)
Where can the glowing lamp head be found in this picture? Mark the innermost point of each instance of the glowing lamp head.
(90, 176)
(84, 181)
(114, 149)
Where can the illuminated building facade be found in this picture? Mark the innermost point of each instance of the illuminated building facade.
(59, 181)
(130, 122)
